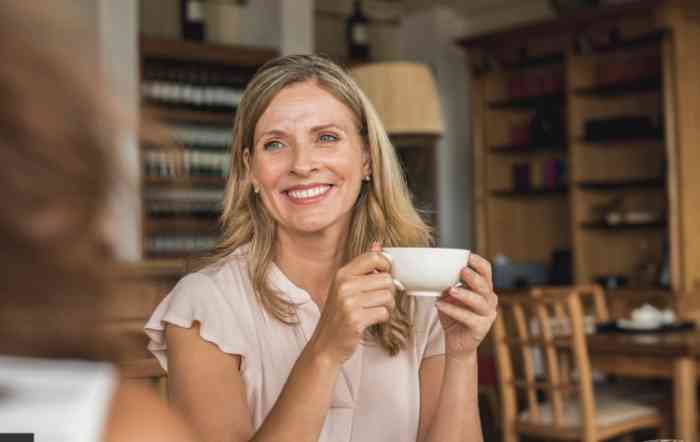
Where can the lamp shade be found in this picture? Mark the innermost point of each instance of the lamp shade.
(404, 95)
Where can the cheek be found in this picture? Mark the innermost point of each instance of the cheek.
(267, 175)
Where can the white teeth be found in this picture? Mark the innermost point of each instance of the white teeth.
(309, 193)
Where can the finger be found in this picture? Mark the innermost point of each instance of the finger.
(482, 267)
(377, 298)
(376, 315)
(475, 281)
(367, 263)
(368, 283)
(459, 314)
(473, 301)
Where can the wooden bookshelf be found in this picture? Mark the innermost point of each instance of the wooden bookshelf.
(197, 163)
(629, 61)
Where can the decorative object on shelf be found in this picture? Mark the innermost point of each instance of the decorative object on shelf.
(357, 31)
(547, 127)
(621, 127)
(610, 282)
(508, 274)
(561, 267)
(192, 17)
(405, 96)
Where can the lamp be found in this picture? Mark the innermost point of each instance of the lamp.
(404, 95)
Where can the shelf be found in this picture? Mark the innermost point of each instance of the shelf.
(621, 89)
(647, 39)
(650, 138)
(190, 116)
(530, 193)
(536, 62)
(528, 103)
(528, 148)
(192, 181)
(188, 51)
(644, 183)
(599, 225)
(182, 225)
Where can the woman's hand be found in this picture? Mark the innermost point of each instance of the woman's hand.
(467, 313)
(362, 294)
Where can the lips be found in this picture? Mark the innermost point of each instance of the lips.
(308, 193)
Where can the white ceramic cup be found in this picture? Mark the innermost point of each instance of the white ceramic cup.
(426, 271)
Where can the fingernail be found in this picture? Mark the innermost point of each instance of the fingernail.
(391, 260)
(440, 304)
(399, 286)
(376, 246)
(452, 291)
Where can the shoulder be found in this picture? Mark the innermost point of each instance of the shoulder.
(127, 418)
(225, 278)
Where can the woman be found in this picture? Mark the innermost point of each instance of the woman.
(297, 332)
(57, 137)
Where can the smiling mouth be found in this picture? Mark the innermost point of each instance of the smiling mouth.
(309, 195)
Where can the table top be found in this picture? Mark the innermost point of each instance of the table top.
(686, 343)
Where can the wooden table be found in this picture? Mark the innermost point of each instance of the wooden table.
(669, 355)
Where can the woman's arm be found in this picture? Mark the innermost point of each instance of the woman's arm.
(449, 400)
(449, 396)
(206, 385)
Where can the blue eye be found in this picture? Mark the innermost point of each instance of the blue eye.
(272, 145)
(328, 138)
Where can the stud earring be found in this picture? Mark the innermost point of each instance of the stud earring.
(367, 178)
(256, 190)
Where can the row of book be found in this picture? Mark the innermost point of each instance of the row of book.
(183, 163)
(193, 87)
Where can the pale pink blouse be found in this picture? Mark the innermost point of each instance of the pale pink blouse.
(376, 398)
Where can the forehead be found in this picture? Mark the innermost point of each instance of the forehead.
(304, 104)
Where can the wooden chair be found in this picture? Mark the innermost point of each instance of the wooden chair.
(591, 296)
(572, 409)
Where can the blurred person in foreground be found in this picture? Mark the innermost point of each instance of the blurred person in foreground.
(296, 331)
(58, 133)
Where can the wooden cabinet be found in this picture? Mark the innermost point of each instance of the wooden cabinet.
(193, 88)
(585, 139)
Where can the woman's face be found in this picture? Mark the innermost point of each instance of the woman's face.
(309, 160)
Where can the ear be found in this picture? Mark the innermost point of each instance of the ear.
(366, 162)
(246, 161)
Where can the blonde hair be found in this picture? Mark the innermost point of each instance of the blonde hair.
(383, 211)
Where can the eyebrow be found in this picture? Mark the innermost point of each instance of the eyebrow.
(281, 133)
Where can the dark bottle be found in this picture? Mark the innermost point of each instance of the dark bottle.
(192, 18)
(357, 28)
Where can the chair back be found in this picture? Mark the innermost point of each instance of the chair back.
(551, 322)
(592, 298)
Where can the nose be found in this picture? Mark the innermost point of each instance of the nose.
(303, 161)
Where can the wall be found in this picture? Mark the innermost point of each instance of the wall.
(117, 46)
(426, 37)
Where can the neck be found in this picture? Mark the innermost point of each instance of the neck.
(311, 261)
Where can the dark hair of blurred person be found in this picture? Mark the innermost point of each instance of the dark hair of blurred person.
(58, 132)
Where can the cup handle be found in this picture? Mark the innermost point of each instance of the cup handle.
(397, 283)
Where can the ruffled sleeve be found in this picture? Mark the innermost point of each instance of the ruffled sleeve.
(198, 298)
